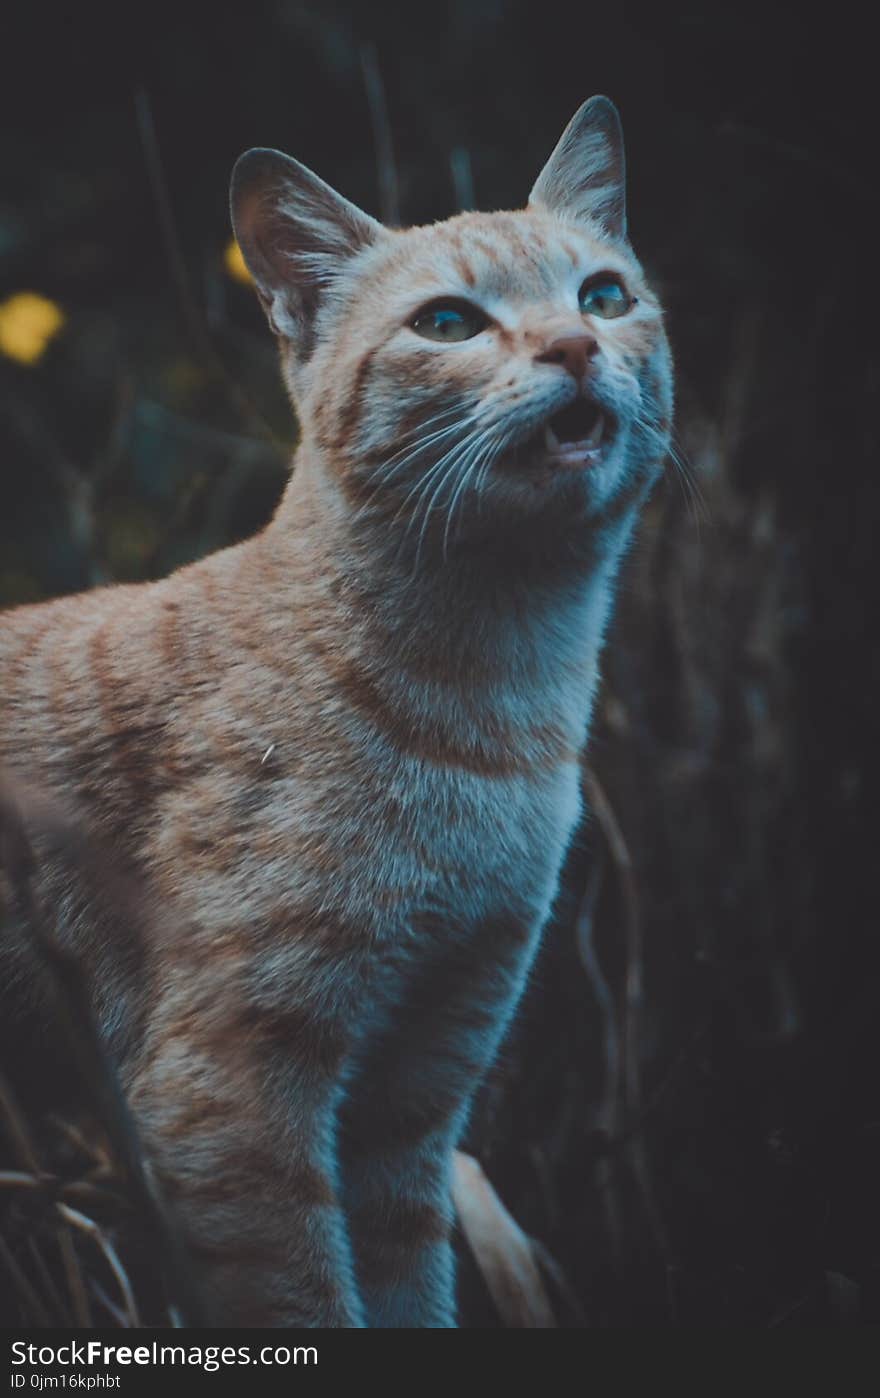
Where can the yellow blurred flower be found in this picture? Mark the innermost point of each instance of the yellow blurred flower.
(235, 263)
(28, 322)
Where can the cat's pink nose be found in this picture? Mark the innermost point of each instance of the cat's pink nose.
(573, 352)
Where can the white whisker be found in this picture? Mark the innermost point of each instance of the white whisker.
(453, 458)
(472, 463)
(383, 475)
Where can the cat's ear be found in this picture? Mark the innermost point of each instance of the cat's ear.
(585, 176)
(295, 234)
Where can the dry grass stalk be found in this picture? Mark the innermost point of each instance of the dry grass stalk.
(506, 1256)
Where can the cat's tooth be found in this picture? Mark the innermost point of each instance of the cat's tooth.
(551, 441)
(595, 434)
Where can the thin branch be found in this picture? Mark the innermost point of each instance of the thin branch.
(18, 1131)
(554, 1271)
(167, 224)
(189, 307)
(633, 998)
(17, 1179)
(117, 1315)
(38, 1314)
(75, 1281)
(462, 177)
(92, 1230)
(386, 167)
(609, 1112)
(61, 1314)
(633, 984)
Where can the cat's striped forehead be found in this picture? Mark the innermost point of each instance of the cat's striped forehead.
(493, 258)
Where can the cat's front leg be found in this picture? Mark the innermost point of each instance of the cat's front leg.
(237, 1114)
(399, 1204)
(406, 1108)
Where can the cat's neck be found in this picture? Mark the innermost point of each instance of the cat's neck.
(481, 630)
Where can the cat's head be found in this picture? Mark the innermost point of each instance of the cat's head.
(489, 376)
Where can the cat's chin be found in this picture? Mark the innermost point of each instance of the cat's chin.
(562, 492)
(577, 476)
(556, 496)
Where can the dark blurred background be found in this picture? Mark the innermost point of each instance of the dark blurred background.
(687, 1116)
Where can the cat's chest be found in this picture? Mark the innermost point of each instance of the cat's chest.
(469, 844)
(355, 826)
(470, 867)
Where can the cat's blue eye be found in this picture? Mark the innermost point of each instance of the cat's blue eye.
(449, 321)
(605, 297)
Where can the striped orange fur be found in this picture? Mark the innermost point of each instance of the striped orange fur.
(344, 754)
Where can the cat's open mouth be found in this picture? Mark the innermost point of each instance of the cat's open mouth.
(577, 433)
(575, 438)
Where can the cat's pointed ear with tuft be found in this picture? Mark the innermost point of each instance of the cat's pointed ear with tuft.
(585, 177)
(295, 234)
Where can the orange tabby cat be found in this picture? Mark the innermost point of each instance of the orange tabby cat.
(345, 752)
